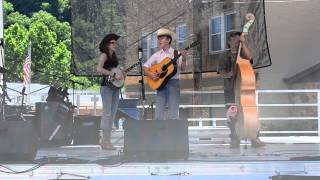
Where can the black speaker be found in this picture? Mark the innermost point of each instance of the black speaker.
(146, 140)
(86, 130)
(18, 141)
(54, 123)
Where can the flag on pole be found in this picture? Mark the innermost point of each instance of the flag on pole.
(27, 69)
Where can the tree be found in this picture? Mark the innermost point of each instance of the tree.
(92, 20)
(18, 18)
(16, 43)
(51, 47)
(58, 8)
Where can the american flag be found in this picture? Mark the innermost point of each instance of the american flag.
(27, 69)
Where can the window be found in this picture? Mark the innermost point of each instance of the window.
(215, 34)
(144, 44)
(182, 36)
(230, 25)
(219, 29)
(153, 43)
(149, 46)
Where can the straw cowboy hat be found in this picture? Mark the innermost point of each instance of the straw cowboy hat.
(165, 32)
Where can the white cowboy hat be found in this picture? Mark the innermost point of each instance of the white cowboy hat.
(165, 32)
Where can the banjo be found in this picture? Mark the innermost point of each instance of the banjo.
(112, 82)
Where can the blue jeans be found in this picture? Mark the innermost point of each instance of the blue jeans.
(168, 96)
(110, 101)
(228, 91)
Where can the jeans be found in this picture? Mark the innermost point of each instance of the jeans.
(228, 91)
(169, 96)
(229, 98)
(110, 101)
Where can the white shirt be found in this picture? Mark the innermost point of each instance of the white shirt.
(158, 56)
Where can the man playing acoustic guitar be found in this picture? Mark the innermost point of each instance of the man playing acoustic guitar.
(170, 93)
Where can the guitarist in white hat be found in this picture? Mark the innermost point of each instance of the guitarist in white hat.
(169, 95)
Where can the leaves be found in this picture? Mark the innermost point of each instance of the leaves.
(51, 45)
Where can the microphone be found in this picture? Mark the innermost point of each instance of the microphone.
(23, 91)
(140, 53)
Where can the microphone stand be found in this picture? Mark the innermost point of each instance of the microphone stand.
(20, 114)
(73, 82)
(5, 96)
(141, 81)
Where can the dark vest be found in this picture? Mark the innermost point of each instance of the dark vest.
(110, 63)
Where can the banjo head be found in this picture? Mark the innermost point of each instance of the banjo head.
(114, 82)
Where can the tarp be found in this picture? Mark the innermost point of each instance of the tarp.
(136, 21)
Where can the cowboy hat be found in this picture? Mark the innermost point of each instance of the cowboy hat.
(165, 32)
(110, 37)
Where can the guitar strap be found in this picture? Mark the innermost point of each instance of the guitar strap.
(175, 54)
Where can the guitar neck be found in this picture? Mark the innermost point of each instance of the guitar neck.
(187, 48)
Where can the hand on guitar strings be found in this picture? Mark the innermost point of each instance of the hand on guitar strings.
(119, 76)
(154, 76)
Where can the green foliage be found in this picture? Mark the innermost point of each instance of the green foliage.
(7, 7)
(92, 21)
(64, 5)
(45, 6)
(16, 43)
(50, 40)
(18, 18)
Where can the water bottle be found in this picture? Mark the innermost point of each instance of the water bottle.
(120, 124)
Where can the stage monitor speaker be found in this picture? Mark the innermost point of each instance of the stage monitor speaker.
(161, 140)
(54, 123)
(18, 141)
(86, 130)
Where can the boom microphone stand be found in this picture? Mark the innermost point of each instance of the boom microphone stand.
(141, 81)
(73, 82)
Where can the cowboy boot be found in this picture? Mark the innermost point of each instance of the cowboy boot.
(257, 142)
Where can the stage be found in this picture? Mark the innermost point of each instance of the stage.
(280, 156)
(276, 149)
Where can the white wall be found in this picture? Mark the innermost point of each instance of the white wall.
(294, 40)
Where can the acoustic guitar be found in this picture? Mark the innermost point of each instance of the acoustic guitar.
(166, 69)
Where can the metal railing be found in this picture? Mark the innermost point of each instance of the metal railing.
(94, 103)
(289, 105)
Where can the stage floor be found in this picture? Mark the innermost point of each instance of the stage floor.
(280, 156)
(276, 149)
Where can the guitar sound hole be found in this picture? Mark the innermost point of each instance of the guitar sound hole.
(164, 68)
(163, 74)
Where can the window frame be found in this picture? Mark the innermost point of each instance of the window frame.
(150, 44)
(223, 31)
(178, 35)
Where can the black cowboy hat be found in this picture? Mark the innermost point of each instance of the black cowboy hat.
(110, 37)
(106, 40)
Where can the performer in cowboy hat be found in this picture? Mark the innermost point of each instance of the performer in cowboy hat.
(170, 94)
